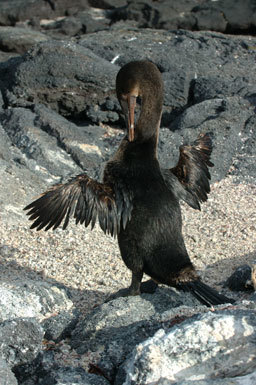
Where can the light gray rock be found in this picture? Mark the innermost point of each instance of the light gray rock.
(35, 299)
(248, 379)
(40, 151)
(87, 145)
(20, 341)
(39, 147)
(6, 375)
(209, 346)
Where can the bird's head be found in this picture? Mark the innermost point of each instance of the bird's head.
(140, 79)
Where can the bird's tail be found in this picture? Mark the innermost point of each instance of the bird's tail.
(204, 293)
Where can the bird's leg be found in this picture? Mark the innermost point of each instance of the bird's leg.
(134, 288)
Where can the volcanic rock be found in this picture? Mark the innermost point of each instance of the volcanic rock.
(211, 348)
(68, 376)
(6, 375)
(19, 39)
(21, 341)
(113, 329)
(12, 12)
(63, 75)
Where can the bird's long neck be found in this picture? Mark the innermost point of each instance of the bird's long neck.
(147, 126)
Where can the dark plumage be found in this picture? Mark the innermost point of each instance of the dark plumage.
(138, 201)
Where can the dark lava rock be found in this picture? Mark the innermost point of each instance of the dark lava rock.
(163, 14)
(223, 16)
(207, 17)
(63, 75)
(91, 20)
(227, 120)
(212, 87)
(214, 95)
(69, 375)
(47, 371)
(107, 4)
(226, 16)
(88, 145)
(17, 181)
(68, 26)
(19, 10)
(13, 11)
(19, 39)
(4, 56)
(59, 327)
(183, 59)
(38, 147)
(240, 280)
(5, 146)
(76, 82)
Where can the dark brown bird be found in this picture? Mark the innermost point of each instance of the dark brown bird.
(138, 201)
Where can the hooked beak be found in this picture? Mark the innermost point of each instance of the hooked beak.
(129, 116)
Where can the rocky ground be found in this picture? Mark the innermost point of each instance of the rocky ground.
(59, 116)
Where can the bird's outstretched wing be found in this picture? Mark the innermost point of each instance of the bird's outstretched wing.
(192, 172)
(86, 200)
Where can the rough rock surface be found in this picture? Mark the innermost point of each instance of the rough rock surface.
(204, 97)
(6, 375)
(248, 379)
(241, 279)
(125, 322)
(19, 39)
(30, 311)
(213, 345)
(190, 59)
(21, 341)
(63, 75)
(21, 10)
(223, 16)
(69, 375)
(46, 303)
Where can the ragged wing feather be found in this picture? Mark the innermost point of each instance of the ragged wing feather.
(86, 200)
(192, 171)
